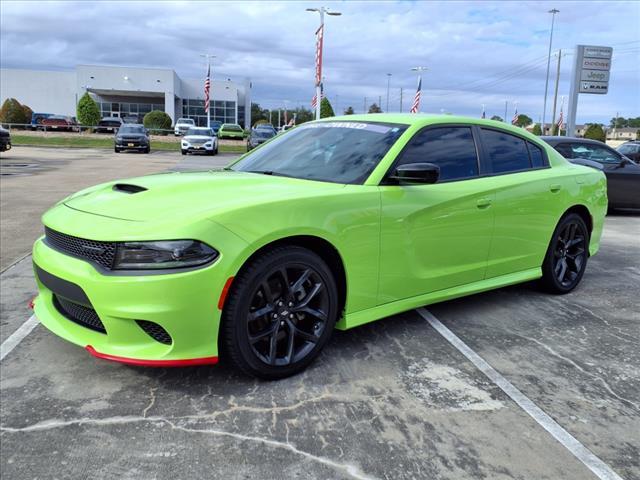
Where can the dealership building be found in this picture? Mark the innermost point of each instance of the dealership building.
(128, 92)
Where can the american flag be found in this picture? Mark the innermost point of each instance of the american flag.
(514, 120)
(416, 100)
(314, 100)
(207, 88)
(319, 36)
(560, 121)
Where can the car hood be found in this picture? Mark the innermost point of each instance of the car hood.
(197, 137)
(131, 135)
(180, 195)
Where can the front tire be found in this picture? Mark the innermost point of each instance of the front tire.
(567, 254)
(280, 313)
(116, 149)
(184, 152)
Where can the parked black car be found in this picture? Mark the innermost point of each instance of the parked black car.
(258, 136)
(630, 150)
(5, 140)
(623, 174)
(132, 136)
(109, 125)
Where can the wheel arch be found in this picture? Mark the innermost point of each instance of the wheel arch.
(584, 212)
(321, 247)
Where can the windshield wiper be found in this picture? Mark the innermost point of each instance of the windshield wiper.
(263, 172)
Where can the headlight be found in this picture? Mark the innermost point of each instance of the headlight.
(162, 254)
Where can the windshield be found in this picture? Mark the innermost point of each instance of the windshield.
(263, 133)
(131, 129)
(340, 152)
(200, 131)
(188, 121)
(233, 128)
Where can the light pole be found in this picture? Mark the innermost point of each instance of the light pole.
(546, 84)
(208, 81)
(319, 41)
(388, 85)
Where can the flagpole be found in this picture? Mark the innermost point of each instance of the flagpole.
(209, 57)
(419, 70)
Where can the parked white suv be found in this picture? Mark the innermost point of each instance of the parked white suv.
(199, 139)
(182, 125)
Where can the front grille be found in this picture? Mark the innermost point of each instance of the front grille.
(155, 331)
(85, 316)
(102, 253)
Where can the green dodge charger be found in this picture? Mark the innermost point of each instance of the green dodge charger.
(337, 223)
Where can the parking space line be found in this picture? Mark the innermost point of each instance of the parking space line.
(582, 453)
(16, 337)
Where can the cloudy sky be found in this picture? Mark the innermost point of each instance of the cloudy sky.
(477, 52)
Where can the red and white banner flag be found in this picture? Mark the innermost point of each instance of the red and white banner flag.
(416, 100)
(560, 121)
(207, 89)
(319, 37)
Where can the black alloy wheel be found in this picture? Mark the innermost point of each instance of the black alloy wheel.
(567, 255)
(280, 313)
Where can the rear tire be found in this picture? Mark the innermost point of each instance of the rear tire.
(147, 150)
(280, 313)
(567, 254)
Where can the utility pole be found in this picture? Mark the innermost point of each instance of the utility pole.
(388, 85)
(546, 85)
(400, 99)
(278, 118)
(319, 43)
(555, 94)
(380, 101)
(364, 105)
(506, 102)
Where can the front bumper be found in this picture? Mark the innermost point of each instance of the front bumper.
(197, 148)
(132, 145)
(184, 304)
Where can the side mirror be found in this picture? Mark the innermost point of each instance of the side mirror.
(416, 173)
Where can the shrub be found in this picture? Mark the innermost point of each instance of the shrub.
(12, 112)
(326, 110)
(595, 132)
(156, 121)
(260, 122)
(537, 130)
(87, 111)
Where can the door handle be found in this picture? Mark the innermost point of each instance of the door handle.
(555, 187)
(484, 203)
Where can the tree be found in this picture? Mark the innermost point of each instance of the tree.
(537, 130)
(87, 111)
(523, 120)
(326, 110)
(374, 108)
(27, 113)
(258, 113)
(157, 121)
(12, 112)
(497, 118)
(595, 132)
(349, 111)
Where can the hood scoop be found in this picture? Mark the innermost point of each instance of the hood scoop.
(128, 188)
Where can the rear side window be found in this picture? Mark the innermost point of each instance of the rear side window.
(536, 155)
(507, 153)
(451, 148)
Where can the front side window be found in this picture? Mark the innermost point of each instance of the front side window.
(629, 149)
(451, 148)
(507, 153)
(339, 152)
(594, 152)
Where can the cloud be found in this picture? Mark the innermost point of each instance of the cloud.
(477, 52)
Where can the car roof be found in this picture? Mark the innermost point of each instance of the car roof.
(558, 139)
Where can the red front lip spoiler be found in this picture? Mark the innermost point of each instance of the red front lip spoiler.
(153, 363)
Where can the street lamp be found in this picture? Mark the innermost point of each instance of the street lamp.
(546, 84)
(388, 84)
(319, 40)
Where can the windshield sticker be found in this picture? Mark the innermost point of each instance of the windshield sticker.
(369, 127)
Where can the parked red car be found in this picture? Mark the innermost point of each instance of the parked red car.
(60, 122)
